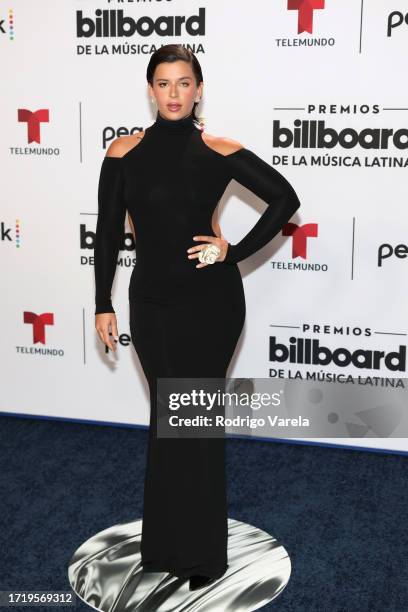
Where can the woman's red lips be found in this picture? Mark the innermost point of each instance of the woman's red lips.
(174, 106)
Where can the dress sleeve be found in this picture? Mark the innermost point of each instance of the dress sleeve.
(267, 183)
(109, 230)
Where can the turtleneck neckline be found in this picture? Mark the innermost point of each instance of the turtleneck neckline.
(185, 124)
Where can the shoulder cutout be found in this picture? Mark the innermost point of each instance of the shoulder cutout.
(122, 145)
(220, 144)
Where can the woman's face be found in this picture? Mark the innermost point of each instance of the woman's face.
(174, 89)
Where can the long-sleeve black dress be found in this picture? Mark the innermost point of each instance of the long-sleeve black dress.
(184, 321)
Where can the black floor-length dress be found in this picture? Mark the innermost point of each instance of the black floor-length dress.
(184, 321)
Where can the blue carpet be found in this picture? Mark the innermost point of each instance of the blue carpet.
(341, 514)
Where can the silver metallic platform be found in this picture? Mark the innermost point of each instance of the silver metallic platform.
(105, 572)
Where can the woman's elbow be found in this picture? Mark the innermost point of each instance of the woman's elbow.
(292, 200)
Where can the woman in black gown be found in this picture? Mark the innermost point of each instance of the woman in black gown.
(186, 316)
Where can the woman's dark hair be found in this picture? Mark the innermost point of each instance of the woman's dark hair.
(172, 53)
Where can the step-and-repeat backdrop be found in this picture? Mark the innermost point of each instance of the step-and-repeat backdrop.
(317, 89)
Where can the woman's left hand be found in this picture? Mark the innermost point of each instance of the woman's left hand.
(219, 242)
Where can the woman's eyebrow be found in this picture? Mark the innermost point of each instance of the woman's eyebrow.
(183, 77)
